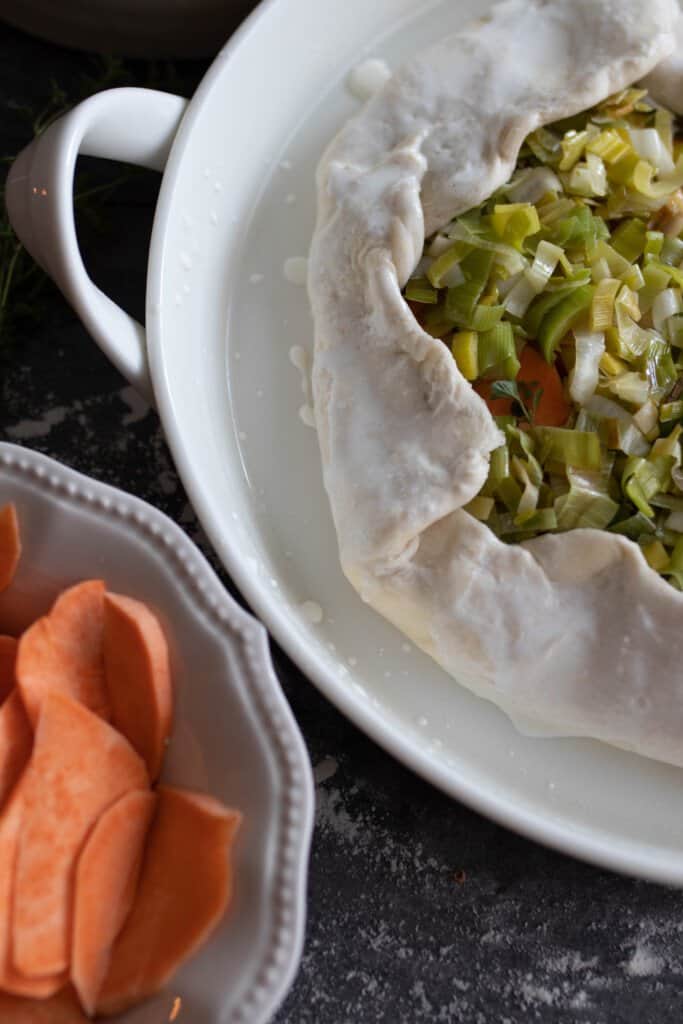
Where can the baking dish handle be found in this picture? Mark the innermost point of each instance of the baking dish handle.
(136, 126)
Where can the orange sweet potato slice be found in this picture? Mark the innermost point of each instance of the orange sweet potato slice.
(64, 651)
(184, 889)
(8, 657)
(10, 979)
(80, 766)
(138, 677)
(61, 1009)
(10, 545)
(106, 883)
(16, 740)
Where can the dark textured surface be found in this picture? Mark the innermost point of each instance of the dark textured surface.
(419, 910)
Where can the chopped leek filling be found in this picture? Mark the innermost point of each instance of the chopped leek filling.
(560, 299)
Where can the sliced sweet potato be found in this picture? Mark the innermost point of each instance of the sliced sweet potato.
(184, 889)
(80, 766)
(10, 545)
(64, 651)
(61, 1009)
(16, 740)
(11, 980)
(8, 657)
(106, 883)
(138, 677)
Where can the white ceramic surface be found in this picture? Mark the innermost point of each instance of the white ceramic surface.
(234, 736)
(237, 200)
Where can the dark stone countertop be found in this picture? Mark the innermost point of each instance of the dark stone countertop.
(419, 910)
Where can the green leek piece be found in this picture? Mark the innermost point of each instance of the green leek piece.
(674, 330)
(602, 308)
(462, 300)
(465, 349)
(569, 447)
(654, 241)
(420, 290)
(545, 146)
(510, 493)
(612, 365)
(659, 364)
(503, 422)
(618, 264)
(439, 329)
(514, 222)
(664, 126)
(643, 176)
(541, 520)
(585, 509)
(444, 263)
(672, 252)
(674, 274)
(657, 278)
(581, 228)
(540, 307)
(676, 564)
(573, 145)
(497, 352)
(556, 210)
(499, 468)
(589, 178)
(668, 447)
(560, 320)
(634, 492)
(642, 479)
(669, 412)
(609, 146)
(629, 239)
(481, 508)
(524, 447)
(633, 527)
(485, 318)
(647, 420)
(656, 555)
(621, 171)
(631, 387)
(633, 278)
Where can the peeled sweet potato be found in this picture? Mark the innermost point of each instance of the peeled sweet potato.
(106, 884)
(8, 657)
(16, 740)
(11, 980)
(10, 545)
(61, 1009)
(138, 677)
(80, 766)
(185, 887)
(64, 651)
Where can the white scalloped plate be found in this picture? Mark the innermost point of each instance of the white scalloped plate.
(237, 200)
(234, 735)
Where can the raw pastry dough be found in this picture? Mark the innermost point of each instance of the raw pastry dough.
(573, 633)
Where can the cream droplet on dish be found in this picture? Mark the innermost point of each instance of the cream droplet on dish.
(368, 78)
(311, 611)
(295, 270)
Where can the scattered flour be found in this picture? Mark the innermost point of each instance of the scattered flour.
(137, 405)
(644, 963)
(324, 770)
(24, 430)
